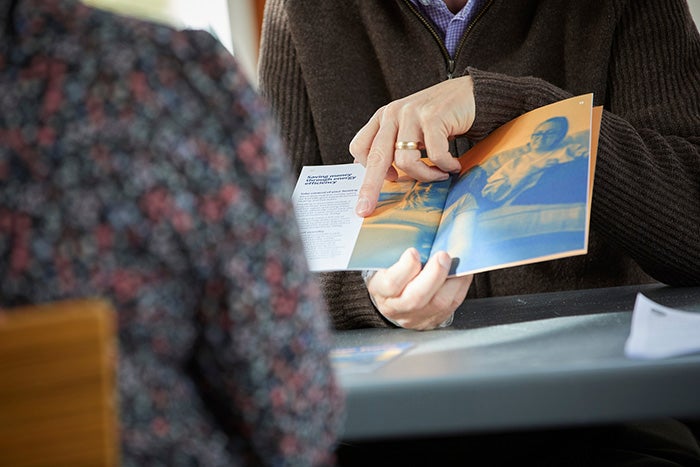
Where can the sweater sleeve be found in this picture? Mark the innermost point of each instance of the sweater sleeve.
(350, 304)
(646, 198)
(282, 83)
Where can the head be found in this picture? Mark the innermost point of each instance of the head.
(549, 134)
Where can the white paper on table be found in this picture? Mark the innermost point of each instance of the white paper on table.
(324, 203)
(659, 331)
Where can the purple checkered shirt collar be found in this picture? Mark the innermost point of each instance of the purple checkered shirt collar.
(449, 25)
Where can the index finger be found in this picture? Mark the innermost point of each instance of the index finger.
(391, 281)
(378, 163)
(369, 191)
(433, 276)
(362, 141)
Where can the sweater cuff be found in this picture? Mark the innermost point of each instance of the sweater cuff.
(501, 98)
(348, 301)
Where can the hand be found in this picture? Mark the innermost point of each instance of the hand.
(574, 151)
(431, 116)
(418, 299)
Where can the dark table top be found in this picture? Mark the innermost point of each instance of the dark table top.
(525, 362)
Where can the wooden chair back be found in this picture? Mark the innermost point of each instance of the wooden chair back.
(57, 385)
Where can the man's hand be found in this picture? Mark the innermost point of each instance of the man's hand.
(430, 118)
(418, 299)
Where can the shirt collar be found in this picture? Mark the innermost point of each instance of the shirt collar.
(425, 3)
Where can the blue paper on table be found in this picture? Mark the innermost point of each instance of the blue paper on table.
(366, 358)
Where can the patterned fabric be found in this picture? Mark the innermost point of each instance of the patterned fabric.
(450, 25)
(137, 164)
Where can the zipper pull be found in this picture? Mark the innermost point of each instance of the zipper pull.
(450, 68)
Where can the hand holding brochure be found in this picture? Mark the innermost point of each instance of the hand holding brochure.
(523, 195)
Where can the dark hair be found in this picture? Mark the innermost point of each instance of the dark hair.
(560, 125)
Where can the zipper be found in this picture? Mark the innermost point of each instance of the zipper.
(479, 15)
(449, 61)
(436, 36)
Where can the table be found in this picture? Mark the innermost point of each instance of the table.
(558, 362)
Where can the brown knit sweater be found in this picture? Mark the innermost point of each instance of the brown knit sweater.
(326, 66)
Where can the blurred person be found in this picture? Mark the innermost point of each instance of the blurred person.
(510, 173)
(537, 189)
(137, 164)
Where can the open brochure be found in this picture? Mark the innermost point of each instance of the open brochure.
(523, 195)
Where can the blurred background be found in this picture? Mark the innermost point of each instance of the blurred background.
(236, 23)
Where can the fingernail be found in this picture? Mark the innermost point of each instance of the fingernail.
(445, 260)
(362, 206)
(413, 252)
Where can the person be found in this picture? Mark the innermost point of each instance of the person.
(139, 165)
(366, 75)
(536, 189)
(397, 81)
(508, 175)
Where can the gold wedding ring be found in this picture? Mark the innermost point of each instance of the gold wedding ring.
(411, 145)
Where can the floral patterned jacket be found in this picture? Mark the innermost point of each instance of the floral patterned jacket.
(137, 164)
